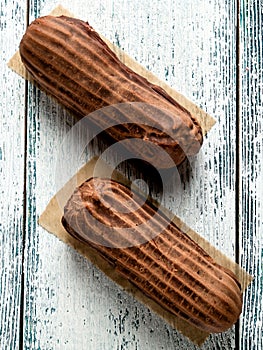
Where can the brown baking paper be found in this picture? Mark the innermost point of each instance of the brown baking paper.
(51, 221)
(204, 119)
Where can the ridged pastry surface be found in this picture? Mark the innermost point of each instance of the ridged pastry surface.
(170, 268)
(69, 60)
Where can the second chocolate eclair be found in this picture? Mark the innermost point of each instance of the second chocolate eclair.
(151, 252)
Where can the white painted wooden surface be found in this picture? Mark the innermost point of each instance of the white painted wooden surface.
(12, 153)
(66, 302)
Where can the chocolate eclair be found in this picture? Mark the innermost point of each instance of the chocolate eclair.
(150, 251)
(69, 60)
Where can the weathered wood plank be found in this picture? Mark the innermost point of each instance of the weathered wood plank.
(251, 170)
(205, 71)
(70, 304)
(12, 89)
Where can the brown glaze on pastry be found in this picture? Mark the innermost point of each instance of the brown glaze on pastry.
(170, 268)
(69, 60)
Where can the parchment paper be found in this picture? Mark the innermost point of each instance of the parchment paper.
(51, 221)
(51, 217)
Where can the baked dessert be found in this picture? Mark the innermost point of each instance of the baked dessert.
(151, 252)
(70, 61)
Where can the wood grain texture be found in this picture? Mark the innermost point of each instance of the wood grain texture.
(11, 175)
(68, 303)
(251, 170)
(205, 71)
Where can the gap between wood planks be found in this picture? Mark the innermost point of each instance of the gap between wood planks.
(22, 295)
(237, 187)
